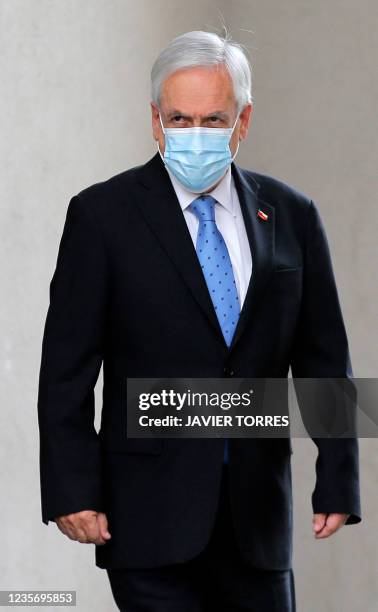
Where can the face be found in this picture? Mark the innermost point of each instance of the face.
(200, 97)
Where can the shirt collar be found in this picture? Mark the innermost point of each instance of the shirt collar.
(222, 192)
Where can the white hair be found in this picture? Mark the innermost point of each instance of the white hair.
(204, 49)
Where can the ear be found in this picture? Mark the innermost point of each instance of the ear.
(245, 120)
(156, 127)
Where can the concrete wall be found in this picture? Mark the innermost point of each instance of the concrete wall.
(74, 109)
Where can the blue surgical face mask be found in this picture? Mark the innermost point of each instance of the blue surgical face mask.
(198, 157)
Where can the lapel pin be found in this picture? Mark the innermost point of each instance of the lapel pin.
(262, 215)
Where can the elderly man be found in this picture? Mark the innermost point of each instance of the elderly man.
(189, 266)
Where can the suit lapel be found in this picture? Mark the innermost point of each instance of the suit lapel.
(261, 241)
(162, 211)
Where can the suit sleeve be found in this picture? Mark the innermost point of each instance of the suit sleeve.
(321, 351)
(72, 352)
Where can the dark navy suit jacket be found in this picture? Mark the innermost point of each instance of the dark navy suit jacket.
(128, 292)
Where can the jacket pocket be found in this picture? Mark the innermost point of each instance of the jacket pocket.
(288, 270)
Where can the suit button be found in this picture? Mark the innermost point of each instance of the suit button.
(228, 371)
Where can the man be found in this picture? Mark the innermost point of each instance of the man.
(190, 524)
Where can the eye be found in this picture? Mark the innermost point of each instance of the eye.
(177, 118)
(214, 121)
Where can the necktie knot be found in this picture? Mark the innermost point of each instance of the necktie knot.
(203, 208)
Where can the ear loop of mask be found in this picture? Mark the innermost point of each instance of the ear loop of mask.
(157, 140)
(237, 148)
(161, 123)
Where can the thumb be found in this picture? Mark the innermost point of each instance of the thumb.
(319, 521)
(103, 525)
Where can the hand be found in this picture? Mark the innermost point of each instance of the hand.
(325, 525)
(87, 527)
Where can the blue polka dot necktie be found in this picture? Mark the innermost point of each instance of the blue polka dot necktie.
(217, 269)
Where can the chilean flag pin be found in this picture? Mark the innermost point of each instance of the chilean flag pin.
(262, 215)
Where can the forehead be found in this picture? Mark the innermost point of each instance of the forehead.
(198, 90)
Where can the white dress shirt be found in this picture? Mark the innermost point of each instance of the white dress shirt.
(229, 220)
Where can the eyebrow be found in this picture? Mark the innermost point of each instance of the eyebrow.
(221, 114)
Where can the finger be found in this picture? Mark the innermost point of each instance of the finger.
(95, 538)
(81, 536)
(74, 526)
(318, 521)
(66, 528)
(103, 526)
(85, 535)
(333, 523)
(99, 541)
(82, 527)
(73, 521)
(72, 532)
(336, 520)
(92, 532)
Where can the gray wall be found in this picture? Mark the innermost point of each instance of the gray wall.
(74, 109)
